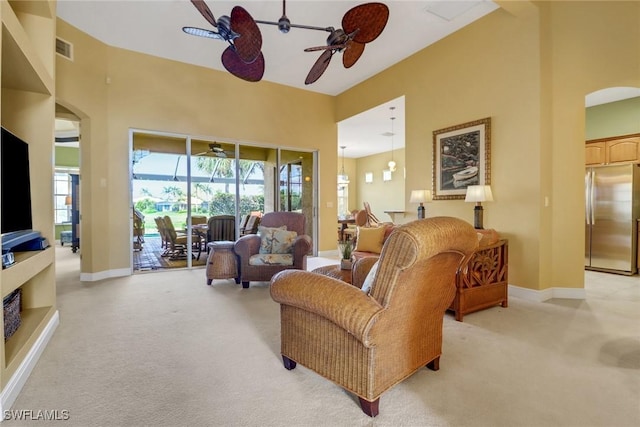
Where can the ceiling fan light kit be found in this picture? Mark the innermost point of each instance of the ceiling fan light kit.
(243, 58)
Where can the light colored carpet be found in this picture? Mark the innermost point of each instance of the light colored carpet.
(165, 349)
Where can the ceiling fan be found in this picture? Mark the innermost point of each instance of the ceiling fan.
(215, 149)
(360, 25)
(243, 57)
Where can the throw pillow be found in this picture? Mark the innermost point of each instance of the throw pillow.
(283, 242)
(368, 281)
(266, 237)
(370, 239)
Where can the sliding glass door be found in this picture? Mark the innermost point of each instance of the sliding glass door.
(185, 181)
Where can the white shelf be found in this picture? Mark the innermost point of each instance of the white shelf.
(28, 62)
(27, 265)
(22, 68)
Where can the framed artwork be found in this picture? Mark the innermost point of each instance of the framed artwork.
(368, 177)
(386, 175)
(461, 157)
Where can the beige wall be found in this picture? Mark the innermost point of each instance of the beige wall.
(113, 90)
(382, 195)
(527, 66)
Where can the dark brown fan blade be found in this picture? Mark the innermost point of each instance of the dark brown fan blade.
(369, 18)
(318, 68)
(251, 72)
(333, 46)
(205, 11)
(352, 53)
(249, 43)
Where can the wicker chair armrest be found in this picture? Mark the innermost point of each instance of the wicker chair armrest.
(247, 245)
(326, 296)
(360, 270)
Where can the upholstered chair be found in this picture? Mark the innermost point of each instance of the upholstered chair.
(368, 340)
(281, 244)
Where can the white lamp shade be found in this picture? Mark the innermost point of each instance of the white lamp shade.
(420, 196)
(392, 165)
(479, 193)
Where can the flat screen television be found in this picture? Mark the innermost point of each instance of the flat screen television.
(16, 184)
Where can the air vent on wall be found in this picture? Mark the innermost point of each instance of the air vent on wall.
(64, 48)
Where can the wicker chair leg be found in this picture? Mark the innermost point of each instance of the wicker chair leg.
(434, 365)
(245, 285)
(288, 363)
(209, 281)
(370, 408)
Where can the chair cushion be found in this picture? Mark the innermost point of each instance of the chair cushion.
(266, 237)
(271, 259)
(283, 242)
(370, 239)
(368, 281)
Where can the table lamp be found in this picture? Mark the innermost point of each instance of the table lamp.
(420, 196)
(478, 194)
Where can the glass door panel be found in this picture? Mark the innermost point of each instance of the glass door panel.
(296, 187)
(212, 186)
(159, 191)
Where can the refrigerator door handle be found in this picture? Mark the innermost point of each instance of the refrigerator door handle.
(587, 195)
(592, 205)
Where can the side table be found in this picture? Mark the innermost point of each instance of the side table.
(222, 262)
(483, 282)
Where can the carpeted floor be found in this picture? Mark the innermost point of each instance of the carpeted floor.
(165, 349)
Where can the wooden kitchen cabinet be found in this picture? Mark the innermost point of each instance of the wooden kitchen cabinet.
(595, 153)
(619, 149)
(623, 150)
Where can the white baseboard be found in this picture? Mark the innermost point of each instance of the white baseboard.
(19, 378)
(109, 274)
(546, 294)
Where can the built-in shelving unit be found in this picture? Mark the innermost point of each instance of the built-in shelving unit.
(27, 109)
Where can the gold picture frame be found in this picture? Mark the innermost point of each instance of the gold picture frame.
(461, 157)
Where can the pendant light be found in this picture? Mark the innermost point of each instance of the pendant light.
(342, 176)
(392, 163)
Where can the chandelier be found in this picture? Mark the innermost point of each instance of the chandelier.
(392, 163)
(342, 176)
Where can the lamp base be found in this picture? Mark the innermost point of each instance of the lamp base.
(421, 212)
(477, 217)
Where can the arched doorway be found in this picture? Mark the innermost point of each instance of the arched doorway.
(612, 181)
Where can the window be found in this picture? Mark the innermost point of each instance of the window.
(343, 200)
(62, 197)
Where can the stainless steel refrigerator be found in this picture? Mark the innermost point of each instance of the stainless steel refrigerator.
(612, 210)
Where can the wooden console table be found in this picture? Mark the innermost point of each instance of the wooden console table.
(483, 281)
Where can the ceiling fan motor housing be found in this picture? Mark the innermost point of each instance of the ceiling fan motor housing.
(284, 25)
(337, 37)
(224, 28)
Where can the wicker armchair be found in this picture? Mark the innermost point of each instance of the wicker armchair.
(367, 342)
(248, 246)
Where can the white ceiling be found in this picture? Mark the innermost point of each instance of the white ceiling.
(155, 27)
